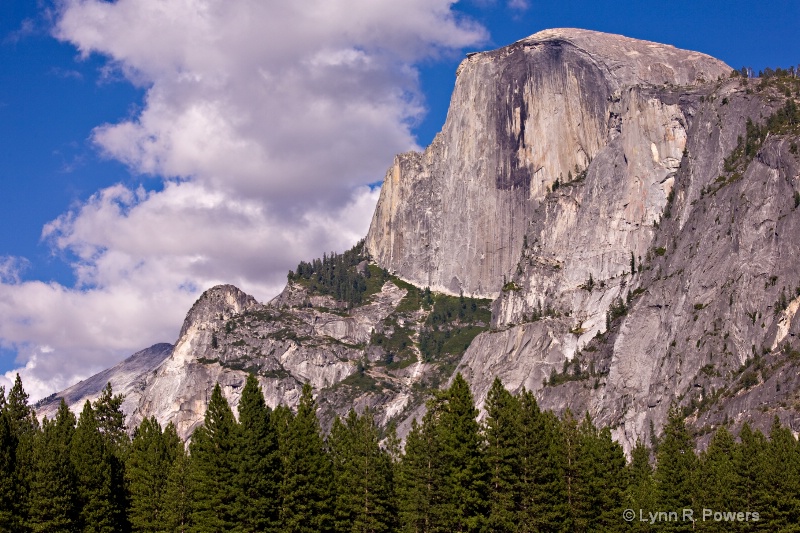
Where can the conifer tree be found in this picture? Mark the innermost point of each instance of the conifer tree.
(259, 473)
(281, 422)
(675, 469)
(306, 488)
(569, 453)
(152, 453)
(783, 478)
(600, 483)
(751, 467)
(392, 443)
(24, 426)
(717, 479)
(8, 446)
(19, 411)
(53, 486)
(543, 498)
(214, 468)
(111, 425)
(640, 494)
(91, 460)
(111, 420)
(610, 481)
(362, 480)
(464, 476)
(503, 458)
(177, 498)
(419, 478)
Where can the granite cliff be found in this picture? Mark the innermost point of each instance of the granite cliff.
(521, 119)
(629, 208)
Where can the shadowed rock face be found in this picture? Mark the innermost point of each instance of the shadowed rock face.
(521, 118)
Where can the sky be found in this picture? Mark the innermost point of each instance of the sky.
(152, 149)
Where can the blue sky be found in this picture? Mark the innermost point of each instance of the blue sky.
(151, 150)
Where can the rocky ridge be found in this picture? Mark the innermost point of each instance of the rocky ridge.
(354, 357)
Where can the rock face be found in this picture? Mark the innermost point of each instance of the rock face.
(228, 334)
(354, 357)
(128, 378)
(650, 273)
(631, 209)
(521, 118)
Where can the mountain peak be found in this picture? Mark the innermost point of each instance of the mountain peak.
(218, 304)
(632, 61)
(624, 61)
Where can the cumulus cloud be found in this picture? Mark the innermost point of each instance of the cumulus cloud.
(263, 120)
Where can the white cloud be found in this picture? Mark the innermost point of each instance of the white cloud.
(11, 267)
(520, 5)
(264, 119)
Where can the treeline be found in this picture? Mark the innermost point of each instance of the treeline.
(768, 72)
(520, 470)
(335, 275)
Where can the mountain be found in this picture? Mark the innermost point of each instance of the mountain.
(521, 117)
(610, 223)
(128, 377)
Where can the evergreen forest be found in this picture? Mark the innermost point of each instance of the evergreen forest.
(520, 469)
(335, 275)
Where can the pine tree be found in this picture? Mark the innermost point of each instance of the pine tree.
(280, 422)
(503, 458)
(570, 449)
(783, 478)
(362, 480)
(419, 478)
(53, 486)
(600, 483)
(8, 447)
(716, 478)
(18, 409)
(152, 453)
(543, 499)
(24, 427)
(751, 467)
(214, 468)
(177, 499)
(464, 476)
(259, 474)
(306, 488)
(640, 494)
(111, 425)
(92, 462)
(675, 470)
